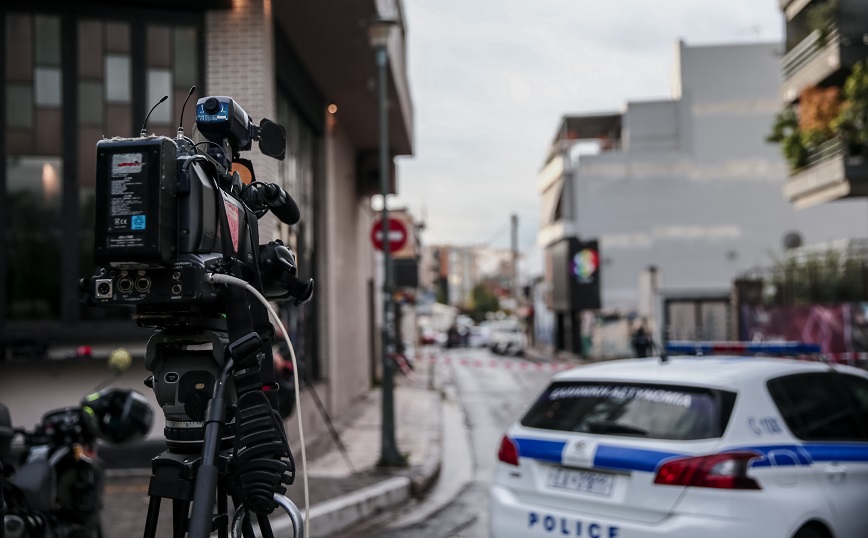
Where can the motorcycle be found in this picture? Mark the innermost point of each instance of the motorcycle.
(52, 481)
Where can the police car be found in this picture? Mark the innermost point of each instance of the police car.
(693, 447)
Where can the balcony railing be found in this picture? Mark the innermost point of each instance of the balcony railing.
(831, 173)
(825, 151)
(807, 50)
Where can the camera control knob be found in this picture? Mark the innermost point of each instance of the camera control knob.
(212, 105)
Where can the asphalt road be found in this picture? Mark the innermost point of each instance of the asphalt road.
(487, 398)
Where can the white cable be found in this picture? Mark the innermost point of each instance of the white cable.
(214, 278)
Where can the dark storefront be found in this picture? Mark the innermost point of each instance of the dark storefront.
(73, 74)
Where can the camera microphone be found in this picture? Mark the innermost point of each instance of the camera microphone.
(144, 131)
(181, 121)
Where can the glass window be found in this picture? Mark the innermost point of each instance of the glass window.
(47, 40)
(90, 103)
(117, 37)
(117, 76)
(19, 47)
(159, 84)
(186, 66)
(632, 409)
(19, 106)
(159, 46)
(90, 50)
(32, 230)
(815, 407)
(48, 86)
(858, 386)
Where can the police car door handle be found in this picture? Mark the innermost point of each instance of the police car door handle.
(836, 471)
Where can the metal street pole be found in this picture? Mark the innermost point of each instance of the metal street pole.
(389, 454)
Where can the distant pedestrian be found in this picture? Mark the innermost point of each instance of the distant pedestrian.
(641, 342)
(452, 336)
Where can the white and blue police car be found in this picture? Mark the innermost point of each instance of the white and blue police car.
(689, 447)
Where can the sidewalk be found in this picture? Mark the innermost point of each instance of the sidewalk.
(342, 493)
(342, 496)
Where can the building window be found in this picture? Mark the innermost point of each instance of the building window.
(33, 229)
(19, 106)
(33, 167)
(117, 76)
(160, 84)
(45, 99)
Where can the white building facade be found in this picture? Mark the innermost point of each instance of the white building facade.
(688, 188)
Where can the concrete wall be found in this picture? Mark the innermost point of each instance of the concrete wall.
(346, 267)
(240, 64)
(651, 127)
(712, 209)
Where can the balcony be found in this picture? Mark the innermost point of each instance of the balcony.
(811, 62)
(831, 174)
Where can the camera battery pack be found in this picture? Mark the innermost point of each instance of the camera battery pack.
(136, 208)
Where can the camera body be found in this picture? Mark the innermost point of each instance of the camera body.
(161, 206)
(157, 222)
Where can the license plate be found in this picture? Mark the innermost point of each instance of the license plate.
(582, 481)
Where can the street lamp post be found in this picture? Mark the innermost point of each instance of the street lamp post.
(378, 33)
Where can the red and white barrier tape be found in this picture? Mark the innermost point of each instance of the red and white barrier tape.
(503, 363)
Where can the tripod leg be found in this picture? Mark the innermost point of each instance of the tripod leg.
(265, 527)
(153, 517)
(180, 511)
(247, 527)
(222, 508)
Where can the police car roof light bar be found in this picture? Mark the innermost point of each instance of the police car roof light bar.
(689, 347)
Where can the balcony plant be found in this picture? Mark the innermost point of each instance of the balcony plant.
(818, 109)
(824, 115)
(786, 132)
(852, 120)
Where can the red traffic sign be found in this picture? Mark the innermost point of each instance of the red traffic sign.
(397, 234)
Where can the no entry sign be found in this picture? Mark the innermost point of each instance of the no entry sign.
(397, 234)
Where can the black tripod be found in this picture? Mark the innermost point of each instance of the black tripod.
(195, 380)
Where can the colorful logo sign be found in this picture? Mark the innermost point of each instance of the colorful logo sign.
(585, 264)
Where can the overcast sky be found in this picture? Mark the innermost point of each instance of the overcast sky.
(490, 80)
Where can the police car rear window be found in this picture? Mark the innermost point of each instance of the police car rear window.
(632, 409)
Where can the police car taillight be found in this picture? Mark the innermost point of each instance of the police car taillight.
(722, 471)
(508, 452)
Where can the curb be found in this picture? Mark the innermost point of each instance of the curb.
(338, 514)
(423, 477)
(335, 515)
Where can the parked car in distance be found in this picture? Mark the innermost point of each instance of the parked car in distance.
(686, 447)
(507, 338)
(478, 336)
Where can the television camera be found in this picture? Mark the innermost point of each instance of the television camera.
(176, 223)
